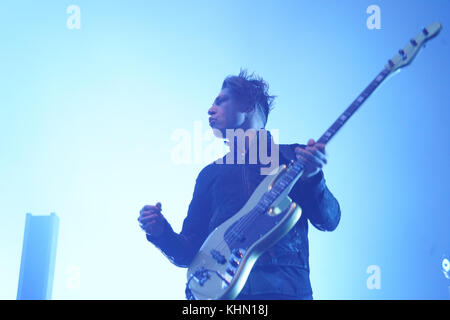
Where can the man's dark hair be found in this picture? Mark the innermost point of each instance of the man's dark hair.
(251, 90)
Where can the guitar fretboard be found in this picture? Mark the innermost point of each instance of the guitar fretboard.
(353, 107)
(297, 167)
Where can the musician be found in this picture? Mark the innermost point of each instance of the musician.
(282, 272)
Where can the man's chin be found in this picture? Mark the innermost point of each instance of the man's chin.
(219, 133)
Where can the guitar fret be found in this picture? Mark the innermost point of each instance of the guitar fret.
(343, 118)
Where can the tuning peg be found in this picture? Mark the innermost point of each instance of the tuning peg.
(425, 31)
(413, 42)
(403, 54)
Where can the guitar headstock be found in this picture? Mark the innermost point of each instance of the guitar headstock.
(408, 53)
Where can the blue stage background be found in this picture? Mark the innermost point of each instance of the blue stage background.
(88, 117)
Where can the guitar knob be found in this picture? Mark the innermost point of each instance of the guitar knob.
(234, 263)
(201, 276)
(237, 253)
(230, 272)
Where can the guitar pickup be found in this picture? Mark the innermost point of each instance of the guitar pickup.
(220, 258)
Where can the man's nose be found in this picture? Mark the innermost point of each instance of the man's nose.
(212, 110)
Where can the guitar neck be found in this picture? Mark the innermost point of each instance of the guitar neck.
(297, 166)
(343, 118)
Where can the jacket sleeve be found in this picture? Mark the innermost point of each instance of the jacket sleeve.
(181, 248)
(317, 202)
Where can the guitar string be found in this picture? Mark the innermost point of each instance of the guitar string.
(232, 234)
(236, 231)
(260, 208)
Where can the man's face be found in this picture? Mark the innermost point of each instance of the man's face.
(226, 112)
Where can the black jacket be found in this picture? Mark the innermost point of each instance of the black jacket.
(220, 191)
